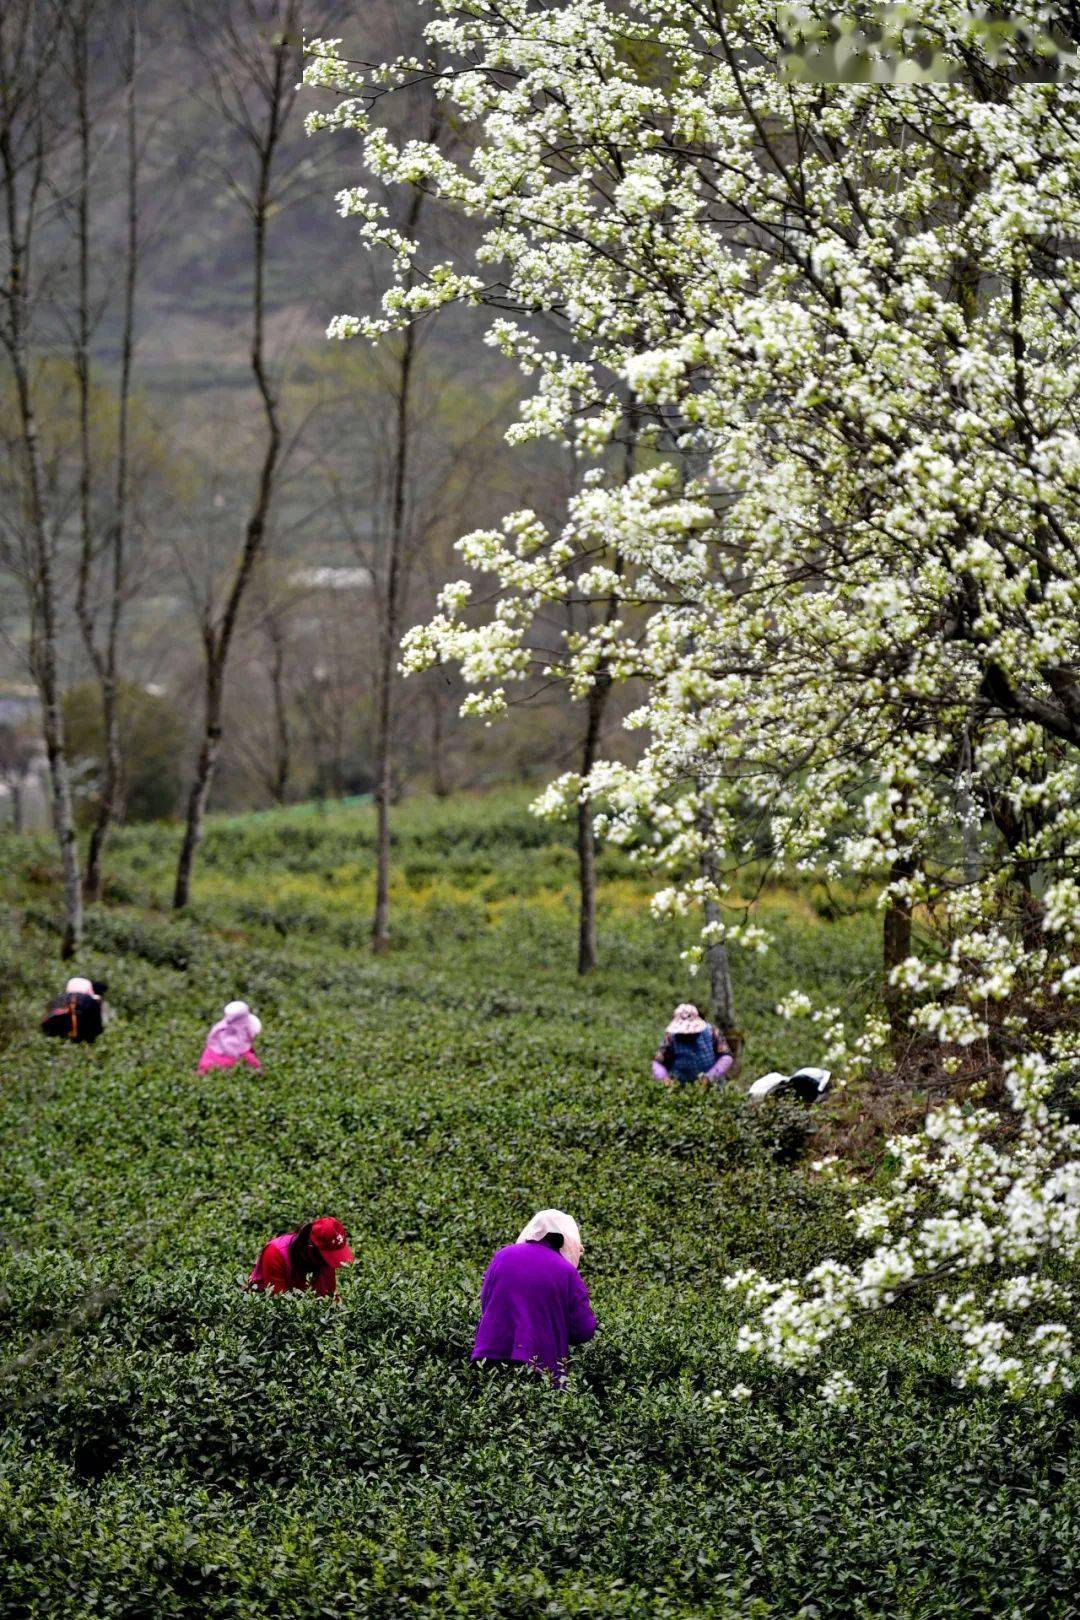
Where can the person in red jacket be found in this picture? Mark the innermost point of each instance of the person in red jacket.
(308, 1259)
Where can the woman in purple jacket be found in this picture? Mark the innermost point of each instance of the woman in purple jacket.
(533, 1304)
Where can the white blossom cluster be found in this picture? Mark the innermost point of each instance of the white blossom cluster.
(962, 1205)
(841, 323)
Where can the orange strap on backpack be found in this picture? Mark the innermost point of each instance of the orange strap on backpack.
(73, 1032)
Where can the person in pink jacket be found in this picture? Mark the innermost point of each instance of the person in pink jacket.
(232, 1039)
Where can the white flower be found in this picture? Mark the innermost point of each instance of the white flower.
(838, 1391)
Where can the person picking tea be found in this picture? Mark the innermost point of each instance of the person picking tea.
(305, 1260)
(79, 1013)
(533, 1303)
(691, 1050)
(232, 1039)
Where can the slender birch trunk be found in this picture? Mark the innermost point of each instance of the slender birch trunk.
(24, 111)
(106, 662)
(393, 606)
(218, 634)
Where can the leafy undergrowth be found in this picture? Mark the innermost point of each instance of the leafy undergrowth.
(175, 1447)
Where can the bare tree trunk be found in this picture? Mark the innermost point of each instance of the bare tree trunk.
(391, 633)
(22, 170)
(279, 94)
(17, 819)
(282, 739)
(896, 943)
(109, 805)
(586, 833)
(60, 782)
(439, 783)
(199, 793)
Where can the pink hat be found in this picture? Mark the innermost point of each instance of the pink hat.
(687, 1021)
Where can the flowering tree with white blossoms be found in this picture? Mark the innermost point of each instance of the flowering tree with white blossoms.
(847, 571)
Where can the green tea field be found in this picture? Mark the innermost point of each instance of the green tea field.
(171, 1445)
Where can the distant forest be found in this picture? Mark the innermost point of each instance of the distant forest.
(133, 323)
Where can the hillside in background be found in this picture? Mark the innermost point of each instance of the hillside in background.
(305, 665)
(194, 329)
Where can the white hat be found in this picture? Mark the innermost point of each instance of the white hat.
(78, 987)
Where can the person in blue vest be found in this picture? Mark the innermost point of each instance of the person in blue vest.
(691, 1050)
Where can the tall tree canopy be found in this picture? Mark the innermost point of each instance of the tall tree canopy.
(845, 318)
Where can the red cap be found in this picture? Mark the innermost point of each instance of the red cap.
(331, 1240)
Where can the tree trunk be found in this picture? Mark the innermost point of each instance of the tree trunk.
(388, 647)
(588, 956)
(721, 993)
(46, 674)
(721, 990)
(282, 739)
(42, 592)
(439, 783)
(60, 784)
(109, 800)
(217, 638)
(198, 796)
(896, 943)
(17, 819)
(965, 808)
(586, 832)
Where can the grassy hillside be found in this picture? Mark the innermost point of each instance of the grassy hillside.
(174, 1447)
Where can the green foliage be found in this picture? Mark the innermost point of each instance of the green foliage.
(152, 741)
(175, 1447)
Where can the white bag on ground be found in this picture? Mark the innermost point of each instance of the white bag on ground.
(808, 1085)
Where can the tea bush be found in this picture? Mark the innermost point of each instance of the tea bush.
(172, 1446)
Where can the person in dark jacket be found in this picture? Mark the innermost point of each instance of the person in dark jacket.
(533, 1304)
(691, 1050)
(79, 1013)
